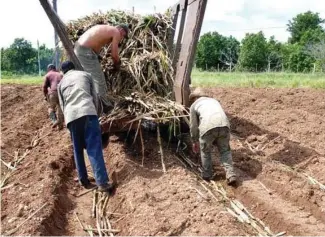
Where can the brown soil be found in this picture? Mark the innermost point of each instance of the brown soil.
(274, 132)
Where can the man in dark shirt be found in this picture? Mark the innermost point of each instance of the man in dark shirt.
(51, 81)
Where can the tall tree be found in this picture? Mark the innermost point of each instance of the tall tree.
(21, 57)
(46, 56)
(208, 50)
(217, 51)
(230, 53)
(302, 23)
(254, 52)
(274, 55)
(295, 58)
(317, 51)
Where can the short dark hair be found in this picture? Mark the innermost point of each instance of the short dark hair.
(125, 27)
(67, 66)
(51, 67)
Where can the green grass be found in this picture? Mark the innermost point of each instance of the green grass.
(223, 79)
(25, 80)
(257, 80)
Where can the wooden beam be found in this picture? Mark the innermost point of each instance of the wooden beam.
(183, 8)
(175, 11)
(195, 11)
(60, 28)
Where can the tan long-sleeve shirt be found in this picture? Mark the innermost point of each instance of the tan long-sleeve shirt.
(77, 95)
(206, 114)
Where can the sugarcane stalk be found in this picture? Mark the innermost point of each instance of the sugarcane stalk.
(106, 230)
(161, 149)
(28, 218)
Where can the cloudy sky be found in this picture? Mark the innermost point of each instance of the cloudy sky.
(26, 18)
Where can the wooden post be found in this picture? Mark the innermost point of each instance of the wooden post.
(60, 29)
(38, 59)
(171, 33)
(183, 8)
(56, 39)
(192, 30)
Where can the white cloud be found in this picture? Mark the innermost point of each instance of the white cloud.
(26, 18)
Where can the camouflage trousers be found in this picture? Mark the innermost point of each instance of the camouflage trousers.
(220, 137)
(54, 108)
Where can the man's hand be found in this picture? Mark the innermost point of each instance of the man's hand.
(117, 65)
(196, 147)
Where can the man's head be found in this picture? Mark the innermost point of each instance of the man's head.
(124, 30)
(50, 67)
(196, 94)
(67, 66)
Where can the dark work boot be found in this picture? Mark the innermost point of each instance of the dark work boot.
(108, 188)
(87, 184)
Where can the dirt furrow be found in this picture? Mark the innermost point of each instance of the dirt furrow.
(278, 213)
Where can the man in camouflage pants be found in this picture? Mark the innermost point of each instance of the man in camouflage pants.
(209, 124)
(51, 81)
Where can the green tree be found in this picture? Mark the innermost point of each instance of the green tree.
(216, 51)
(230, 53)
(254, 52)
(274, 54)
(20, 57)
(295, 58)
(302, 23)
(312, 36)
(317, 51)
(46, 56)
(208, 50)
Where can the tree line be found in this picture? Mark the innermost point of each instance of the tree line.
(22, 58)
(303, 52)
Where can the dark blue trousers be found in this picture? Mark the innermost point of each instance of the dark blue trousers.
(85, 133)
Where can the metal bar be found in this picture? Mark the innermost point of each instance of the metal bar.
(183, 6)
(61, 30)
(185, 63)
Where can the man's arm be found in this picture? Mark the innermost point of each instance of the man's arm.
(45, 86)
(194, 124)
(114, 50)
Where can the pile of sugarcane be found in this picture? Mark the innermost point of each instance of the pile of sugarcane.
(142, 88)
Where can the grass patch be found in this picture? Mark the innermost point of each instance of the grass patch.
(223, 79)
(24, 80)
(257, 80)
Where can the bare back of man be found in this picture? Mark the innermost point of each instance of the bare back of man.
(87, 49)
(98, 36)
